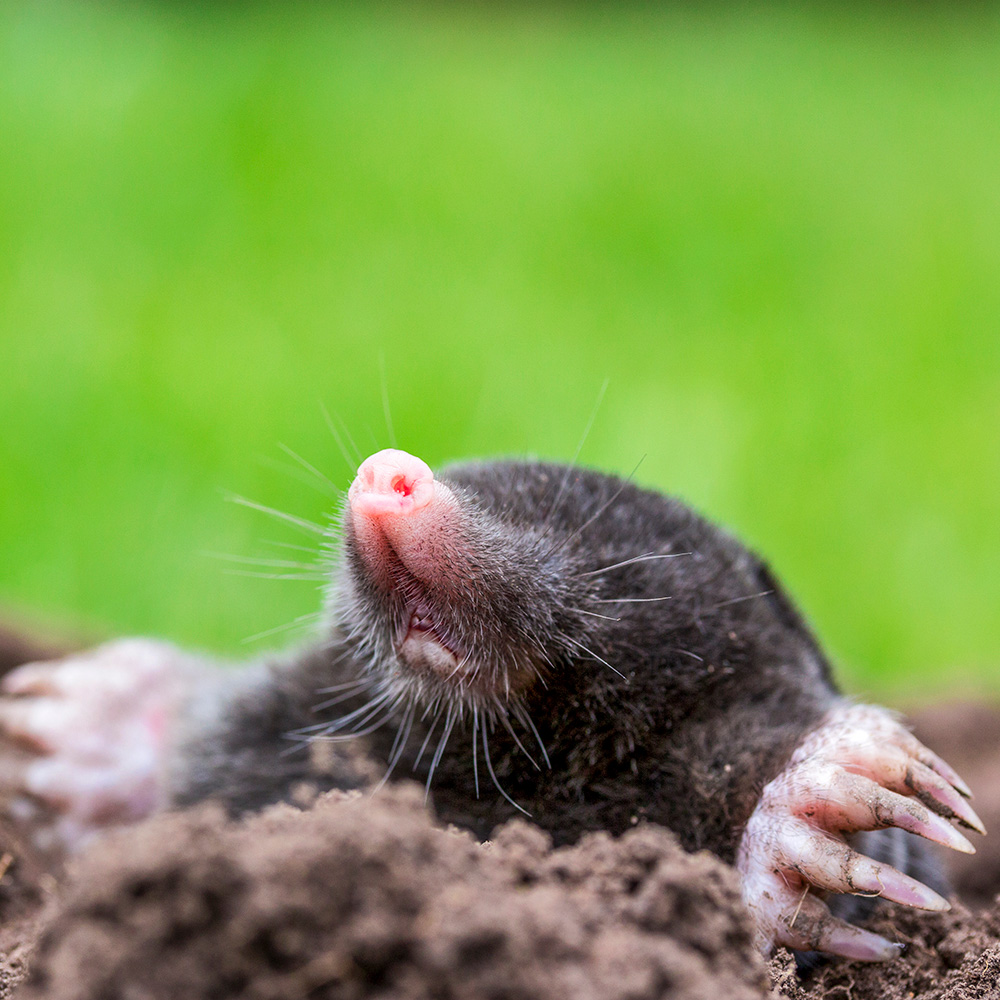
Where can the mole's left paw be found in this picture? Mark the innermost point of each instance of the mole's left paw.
(860, 770)
(94, 729)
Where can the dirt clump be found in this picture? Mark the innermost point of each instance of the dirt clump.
(363, 897)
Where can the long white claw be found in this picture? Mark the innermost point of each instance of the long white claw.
(943, 798)
(884, 729)
(813, 928)
(826, 862)
(935, 763)
(19, 721)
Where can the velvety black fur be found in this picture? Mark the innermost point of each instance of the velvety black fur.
(675, 710)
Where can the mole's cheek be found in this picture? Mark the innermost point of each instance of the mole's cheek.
(400, 514)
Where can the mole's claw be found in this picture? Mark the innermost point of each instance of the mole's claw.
(933, 827)
(870, 742)
(886, 808)
(832, 799)
(935, 763)
(888, 730)
(849, 941)
(826, 862)
(943, 798)
(813, 928)
(905, 767)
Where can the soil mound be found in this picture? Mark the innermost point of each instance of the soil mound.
(367, 897)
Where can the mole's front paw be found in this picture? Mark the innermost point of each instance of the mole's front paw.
(860, 770)
(95, 728)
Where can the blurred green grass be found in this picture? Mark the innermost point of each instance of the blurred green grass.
(775, 231)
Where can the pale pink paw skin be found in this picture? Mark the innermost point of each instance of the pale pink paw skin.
(97, 726)
(861, 769)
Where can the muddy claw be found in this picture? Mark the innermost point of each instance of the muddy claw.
(825, 862)
(860, 770)
(812, 927)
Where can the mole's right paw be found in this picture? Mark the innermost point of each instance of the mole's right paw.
(860, 770)
(95, 726)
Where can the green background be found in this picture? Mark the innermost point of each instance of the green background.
(773, 230)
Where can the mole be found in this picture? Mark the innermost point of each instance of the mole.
(528, 639)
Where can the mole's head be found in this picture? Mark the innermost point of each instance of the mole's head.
(446, 594)
(498, 583)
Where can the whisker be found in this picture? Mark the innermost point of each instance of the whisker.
(629, 600)
(648, 557)
(402, 734)
(301, 742)
(355, 734)
(316, 576)
(510, 729)
(427, 739)
(352, 463)
(350, 439)
(442, 743)
(399, 743)
(737, 600)
(337, 699)
(594, 614)
(600, 659)
(321, 731)
(600, 510)
(288, 545)
(288, 626)
(260, 561)
(687, 652)
(298, 522)
(475, 754)
(459, 667)
(489, 767)
(376, 444)
(571, 468)
(298, 474)
(385, 399)
(326, 481)
(333, 688)
(526, 721)
(387, 703)
(367, 711)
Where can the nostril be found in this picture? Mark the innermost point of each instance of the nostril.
(391, 482)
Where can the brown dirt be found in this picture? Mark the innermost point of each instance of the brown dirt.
(368, 897)
(361, 897)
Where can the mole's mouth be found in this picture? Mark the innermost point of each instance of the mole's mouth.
(424, 642)
(421, 623)
(425, 647)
